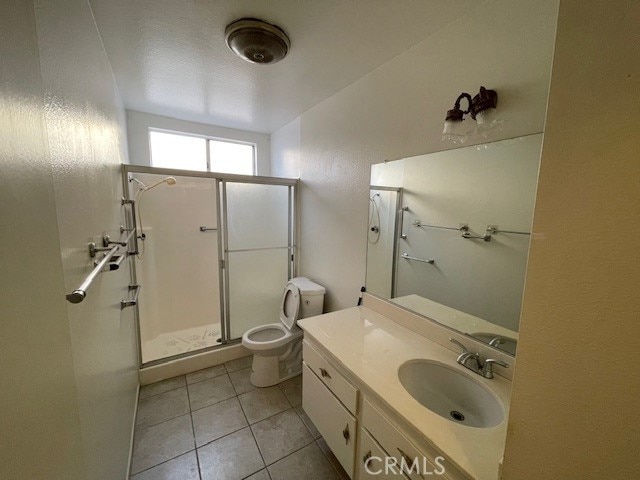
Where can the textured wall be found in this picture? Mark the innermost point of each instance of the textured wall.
(397, 111)
(138, 124)
(72, 368)
(39, 419)
(574, 411)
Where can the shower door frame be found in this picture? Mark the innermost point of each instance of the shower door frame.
(397, 232)
(221, 179)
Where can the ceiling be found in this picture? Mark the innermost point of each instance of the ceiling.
(169, 56)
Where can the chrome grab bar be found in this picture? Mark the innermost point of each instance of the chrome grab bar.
(80, 293)
(406, 256)
(402, 210)
(134, 301)
(460, 228)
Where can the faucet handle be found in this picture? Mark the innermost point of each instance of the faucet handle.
(487, 366)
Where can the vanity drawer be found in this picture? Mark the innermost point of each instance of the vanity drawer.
(398, 446)
(342, 389)
(371, 460)
(336, 425)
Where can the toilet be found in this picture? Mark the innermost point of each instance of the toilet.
(277, 347)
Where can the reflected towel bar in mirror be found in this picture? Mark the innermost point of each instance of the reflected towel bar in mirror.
(406, 256)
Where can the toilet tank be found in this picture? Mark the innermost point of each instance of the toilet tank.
(311, 297)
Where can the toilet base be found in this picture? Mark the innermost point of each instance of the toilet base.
(269, 371)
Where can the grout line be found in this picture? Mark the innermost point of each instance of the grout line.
(162, 462)
(208, 378)
(305, 423)
(253, 436)
(212, 404)
(335, 467)
(193, 432)
(160, 393)
(295, 451)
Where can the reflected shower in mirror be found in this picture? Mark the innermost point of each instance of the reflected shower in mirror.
(448, 235)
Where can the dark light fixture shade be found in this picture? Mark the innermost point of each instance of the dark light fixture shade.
(481, 108)
(257, 41)
(484, 100)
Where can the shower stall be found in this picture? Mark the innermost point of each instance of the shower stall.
(214, 252)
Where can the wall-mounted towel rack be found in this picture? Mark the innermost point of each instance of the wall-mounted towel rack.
(80, 293)
(459, 228)
(406, 256)
(493, 229)
(466, 233)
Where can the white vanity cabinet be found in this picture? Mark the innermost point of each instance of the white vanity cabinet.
(330, 402)
(371, 460)
(348, 420)
(421, 463)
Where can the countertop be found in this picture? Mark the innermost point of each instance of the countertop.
(371, 347)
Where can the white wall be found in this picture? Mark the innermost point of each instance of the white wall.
(69, 371)
(397, 111)
(139, 123)
(574, 409)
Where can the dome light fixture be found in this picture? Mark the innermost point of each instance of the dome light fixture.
(257, 41)
(482, 110)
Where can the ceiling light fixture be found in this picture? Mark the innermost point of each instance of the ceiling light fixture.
(482, 110)
(257, 41)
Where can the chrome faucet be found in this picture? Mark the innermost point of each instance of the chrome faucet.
(473, 362)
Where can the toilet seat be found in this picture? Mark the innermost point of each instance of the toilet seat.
(268, 337)
(290, 305)
(272, 336)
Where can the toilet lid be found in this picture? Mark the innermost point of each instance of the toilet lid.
(290, 306)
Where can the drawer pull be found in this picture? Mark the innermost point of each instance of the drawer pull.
(345, 434)
(324, 373)
(366, 457)
(409, 460)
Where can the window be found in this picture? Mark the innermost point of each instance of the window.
(227, 157)
(190, 152)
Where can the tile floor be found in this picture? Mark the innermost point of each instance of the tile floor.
(214, 425)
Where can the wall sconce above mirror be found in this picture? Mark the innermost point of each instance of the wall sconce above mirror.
(481, 108)
(452, 232)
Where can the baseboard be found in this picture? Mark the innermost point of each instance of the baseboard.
(192, 363)
(133, 428)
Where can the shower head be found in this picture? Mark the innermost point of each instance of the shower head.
(168, 181)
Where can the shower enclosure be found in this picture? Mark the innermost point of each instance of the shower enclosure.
(384, 216)
(214, 253)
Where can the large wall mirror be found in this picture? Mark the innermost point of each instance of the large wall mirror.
(448, 235)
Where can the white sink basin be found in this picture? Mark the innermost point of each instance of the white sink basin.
(451, 394)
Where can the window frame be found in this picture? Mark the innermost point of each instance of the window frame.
(254, 146)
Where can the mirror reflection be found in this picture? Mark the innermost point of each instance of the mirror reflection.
(448, 235)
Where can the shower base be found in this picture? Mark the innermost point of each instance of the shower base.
(182, 341)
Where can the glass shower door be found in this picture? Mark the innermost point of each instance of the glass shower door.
(258, 252)
(178, 266)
